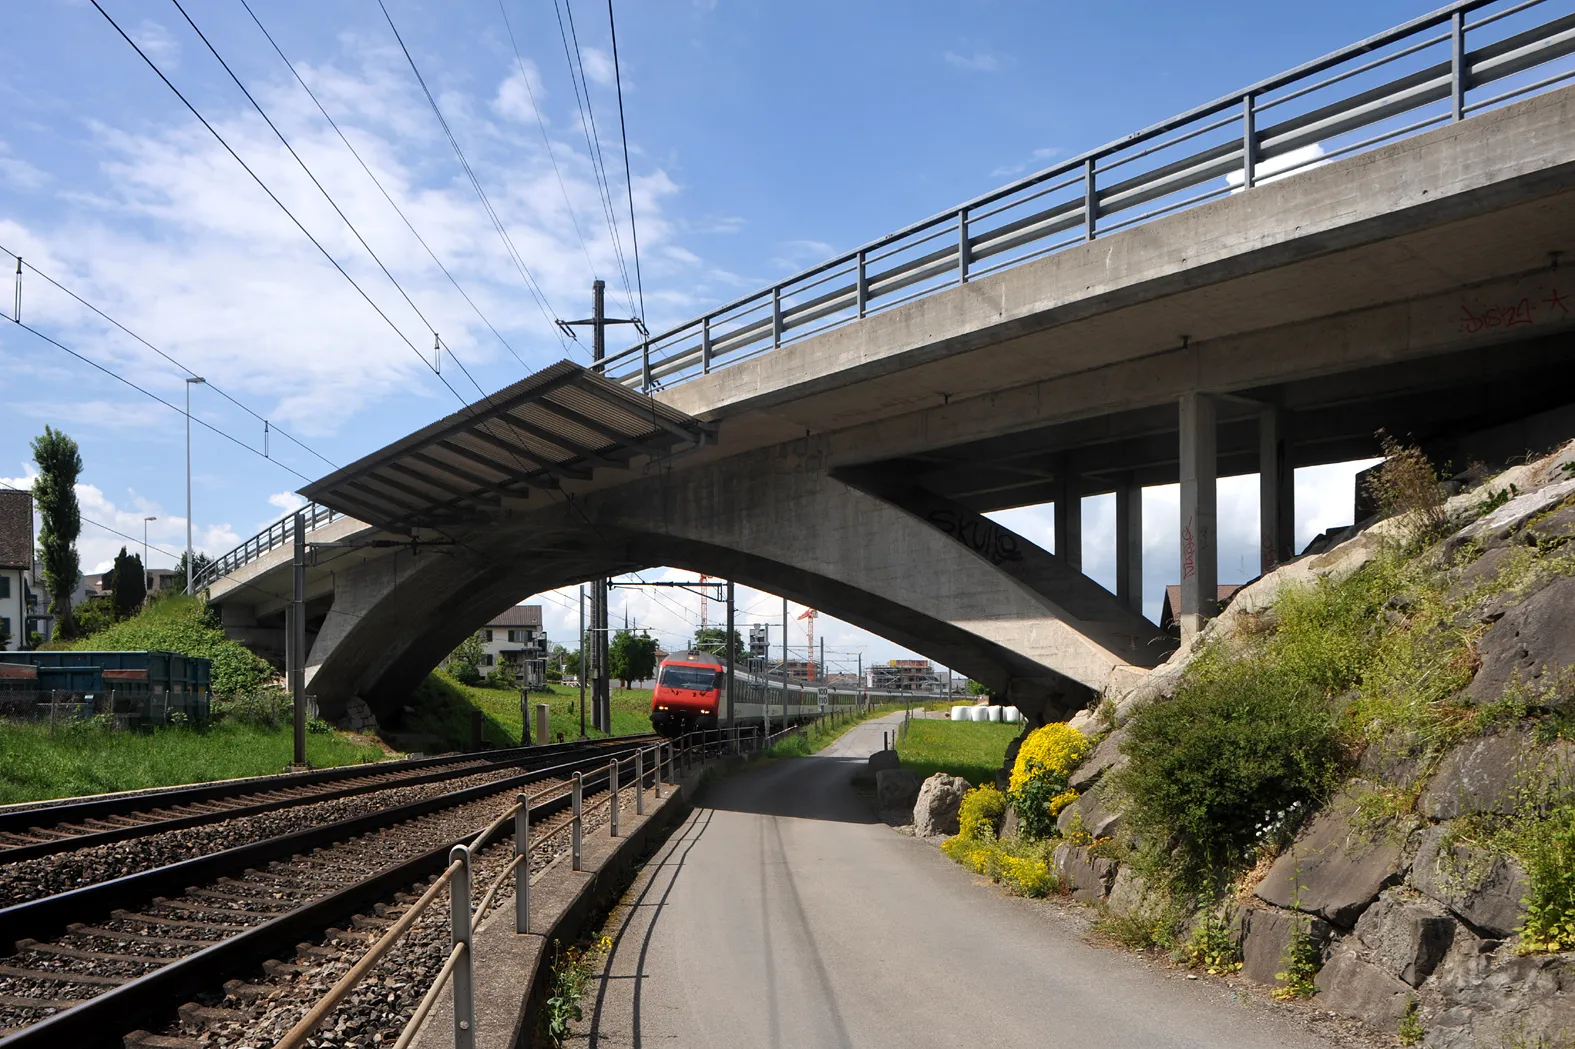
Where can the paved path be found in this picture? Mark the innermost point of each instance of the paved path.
(783, 915)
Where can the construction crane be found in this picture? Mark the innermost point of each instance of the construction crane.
(808, 615)
(704, 617)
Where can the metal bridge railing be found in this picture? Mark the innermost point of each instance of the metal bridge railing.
(280, 533)
(1459, 60)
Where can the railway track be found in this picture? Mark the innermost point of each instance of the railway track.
(31, 832)
(89, 965)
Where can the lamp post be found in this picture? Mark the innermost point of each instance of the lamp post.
(195, 380)
(145, 576)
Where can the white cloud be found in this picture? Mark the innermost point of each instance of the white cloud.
(598, 66)
(18, 172)
(517, 95)
(978, 62)
(160, 46)
(173, 209)
(287, 502)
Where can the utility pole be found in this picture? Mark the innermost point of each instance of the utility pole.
(190, 564)
(732, 654)
(821, 673)
(296, 638)
(583, 667)
(784, 666)
(601, 683)
(145, 577)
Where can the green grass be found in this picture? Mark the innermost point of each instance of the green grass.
(970, 749)
(443, 710)
(86, 758)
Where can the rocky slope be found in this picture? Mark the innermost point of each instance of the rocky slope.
(1410, 880)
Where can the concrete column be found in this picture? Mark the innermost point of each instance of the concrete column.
(1068, 517)
(1199, 534)
(1276, 492)
(1129, 545)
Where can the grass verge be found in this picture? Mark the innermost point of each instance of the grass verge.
(87, 758)
(973, 750)
(442, 710)
(820, 735)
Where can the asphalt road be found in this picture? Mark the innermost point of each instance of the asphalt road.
(784, 915)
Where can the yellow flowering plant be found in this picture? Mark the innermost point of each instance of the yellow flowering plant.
(1039, 788)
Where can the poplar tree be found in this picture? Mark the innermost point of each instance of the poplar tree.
(55, 494)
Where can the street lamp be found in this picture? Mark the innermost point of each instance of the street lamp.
(195, 380)
(145, 576)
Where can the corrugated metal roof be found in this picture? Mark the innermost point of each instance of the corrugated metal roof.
(559, 424)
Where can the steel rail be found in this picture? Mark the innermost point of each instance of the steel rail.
(383, 776)
(103, 1019)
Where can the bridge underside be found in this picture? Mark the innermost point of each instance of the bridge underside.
(1415, 289)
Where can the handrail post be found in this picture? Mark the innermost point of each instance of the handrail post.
(705, 345)
(1090, 199)
(776, 316)
(1249, 142)
(574, 833)
(962, 246)
(612, 788)
(656, 771)
(639, 783)
(861, 285)
(645, 367)
(1457, 65)
(522, 871)
(459, 921)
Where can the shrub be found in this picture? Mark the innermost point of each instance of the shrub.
(1406, 484)
(1038, 782)
(981, 808)
(1547, 849)
(1242, 740)
(184, 624)
(1410, 1030)
(1212, 947)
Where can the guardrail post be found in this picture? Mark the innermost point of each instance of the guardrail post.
(459, 921)
(962, 246)
(705, 345)
(1249, 141)
(522, 871)
(861, 285)
(639, 783)
(574, 833)
(1457, 65)
(612, 788)
(1090, 199)
(656, 771)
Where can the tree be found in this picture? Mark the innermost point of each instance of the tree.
(571, 663)
(55, 492)
(464, 663)
(631, 657)
(714, 640)
(200, 562)
(130, 585)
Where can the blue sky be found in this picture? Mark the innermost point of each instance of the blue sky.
(762, 138)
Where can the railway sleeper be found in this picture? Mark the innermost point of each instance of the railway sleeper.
(59, 976)
(149, 1040)
(198, 1016)
(88, 956)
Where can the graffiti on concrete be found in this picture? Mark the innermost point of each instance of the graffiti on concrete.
(977, 532)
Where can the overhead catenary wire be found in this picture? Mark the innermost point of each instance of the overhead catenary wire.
(383, 190)
(628, 179)
(272, 196)
(268, 424)
(531, 284)
(177, 409)
(545, 138)
(582, 99)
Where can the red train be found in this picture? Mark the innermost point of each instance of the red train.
(691, 693)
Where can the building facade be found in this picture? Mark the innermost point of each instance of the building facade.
(902, 675)
(516, 636)
(24, 608)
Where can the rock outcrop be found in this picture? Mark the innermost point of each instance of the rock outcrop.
(935, 811)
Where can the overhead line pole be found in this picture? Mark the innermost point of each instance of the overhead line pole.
(601, 682)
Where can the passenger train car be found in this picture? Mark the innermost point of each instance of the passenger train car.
(691, 693)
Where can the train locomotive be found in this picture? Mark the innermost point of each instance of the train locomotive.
(691, 694)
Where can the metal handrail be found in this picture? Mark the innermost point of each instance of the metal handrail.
(776, 315)
(280, 533)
